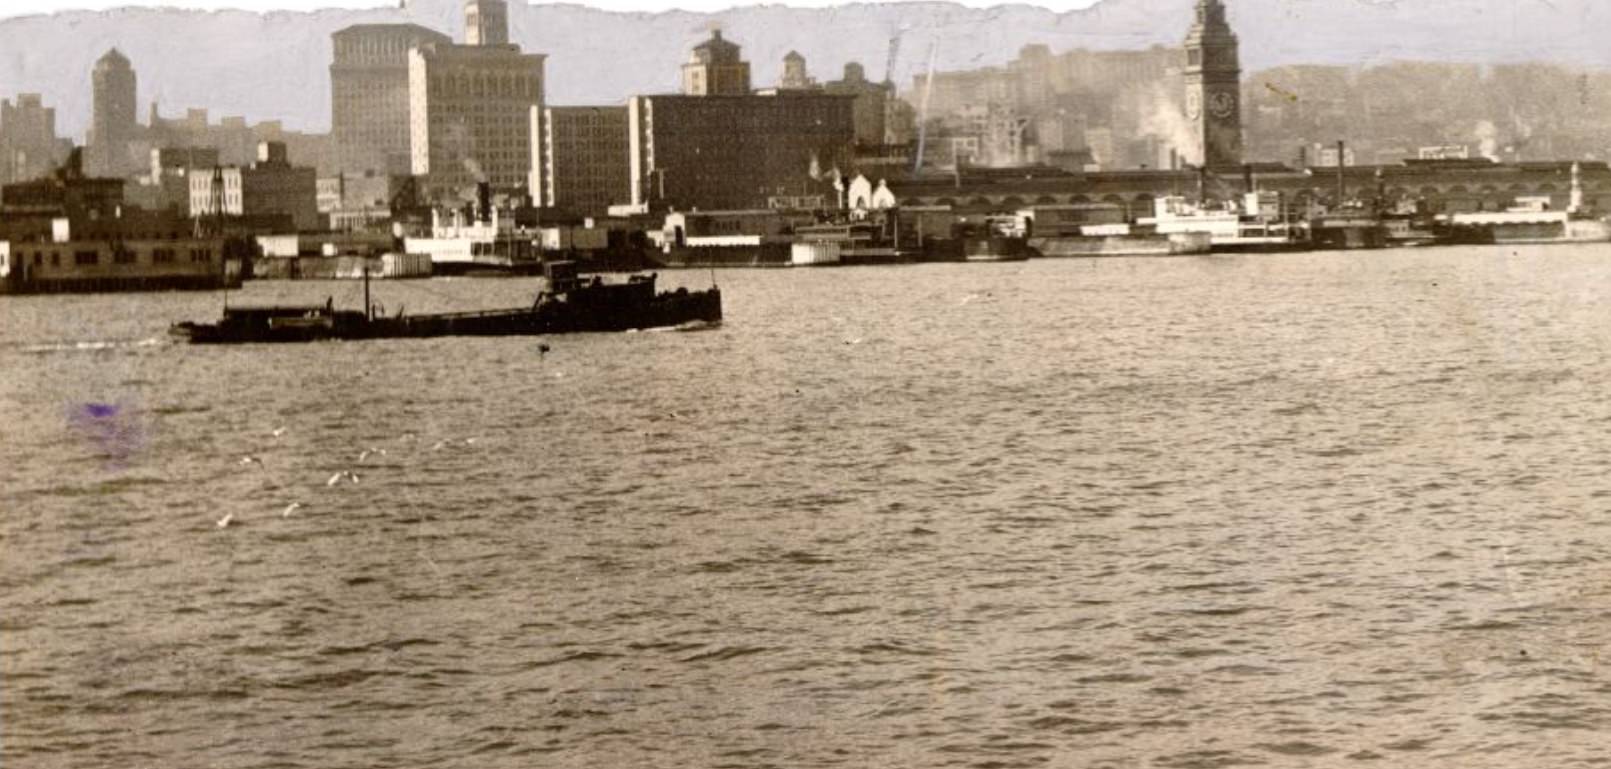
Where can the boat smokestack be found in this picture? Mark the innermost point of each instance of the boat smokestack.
(1342, 179)
(1247, 176)
(483, 201)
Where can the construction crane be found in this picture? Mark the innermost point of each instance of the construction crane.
(923, 112)
(894, 55)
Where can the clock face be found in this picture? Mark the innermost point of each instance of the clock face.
(1222, 104)
(1194, 104)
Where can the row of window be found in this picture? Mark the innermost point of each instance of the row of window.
(465, 85)
(88, 258)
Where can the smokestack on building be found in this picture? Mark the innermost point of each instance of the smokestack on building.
(483, 201)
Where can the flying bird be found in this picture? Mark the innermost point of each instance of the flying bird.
(291, 508)
(344, 475)
(224, 522)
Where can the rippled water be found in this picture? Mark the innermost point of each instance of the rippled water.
(1306, 510)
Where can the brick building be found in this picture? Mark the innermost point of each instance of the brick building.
(720, 149)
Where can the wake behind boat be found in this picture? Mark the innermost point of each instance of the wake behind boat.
(568, 306)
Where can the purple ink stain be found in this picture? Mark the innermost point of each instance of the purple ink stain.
(115, 432)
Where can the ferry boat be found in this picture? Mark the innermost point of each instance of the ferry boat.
(748, 238)
(1230, 230)
(1122, 240)
(849, 243)
(1522, 226)
(479, 241)
(568, 306)
(1529, 220)
(1102, 229)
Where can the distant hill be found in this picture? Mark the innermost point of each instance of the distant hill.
(268, 66)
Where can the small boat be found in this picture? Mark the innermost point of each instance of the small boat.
(570, 305)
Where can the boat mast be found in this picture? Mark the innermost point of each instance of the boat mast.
(369, 309)
(216, 191)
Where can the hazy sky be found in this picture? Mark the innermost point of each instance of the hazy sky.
(22, 7)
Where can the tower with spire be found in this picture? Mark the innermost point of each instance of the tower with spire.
(1213, 76)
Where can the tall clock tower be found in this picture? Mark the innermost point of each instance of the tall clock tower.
(1213, 89)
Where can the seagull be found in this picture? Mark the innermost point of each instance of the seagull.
(343, 475)
(369, 452)
(439, 446)
(223, 523)
(279, 431)
(291, 508)
(251, 460)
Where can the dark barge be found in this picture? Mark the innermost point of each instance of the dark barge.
(568, 306)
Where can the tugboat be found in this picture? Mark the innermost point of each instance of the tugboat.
(568, 306)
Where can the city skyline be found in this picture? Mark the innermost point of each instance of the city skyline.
(192, 75)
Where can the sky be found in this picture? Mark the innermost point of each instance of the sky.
(24, 7)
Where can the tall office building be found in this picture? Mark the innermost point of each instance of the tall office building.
(113, 126)
(486, 22)
(586, 164)
(29, 147)
(369, 95)
(730, 149)
(475, 110)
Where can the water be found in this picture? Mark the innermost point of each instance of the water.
(1305, 510)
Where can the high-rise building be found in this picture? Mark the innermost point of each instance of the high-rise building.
(724, 150)
(475, 111)
(586, 164)
(1213, 78)
(871, 106)
(716, 68)
(486, 22)
(369, 95)
(29, 147)
(113, 124)
(738, 152)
